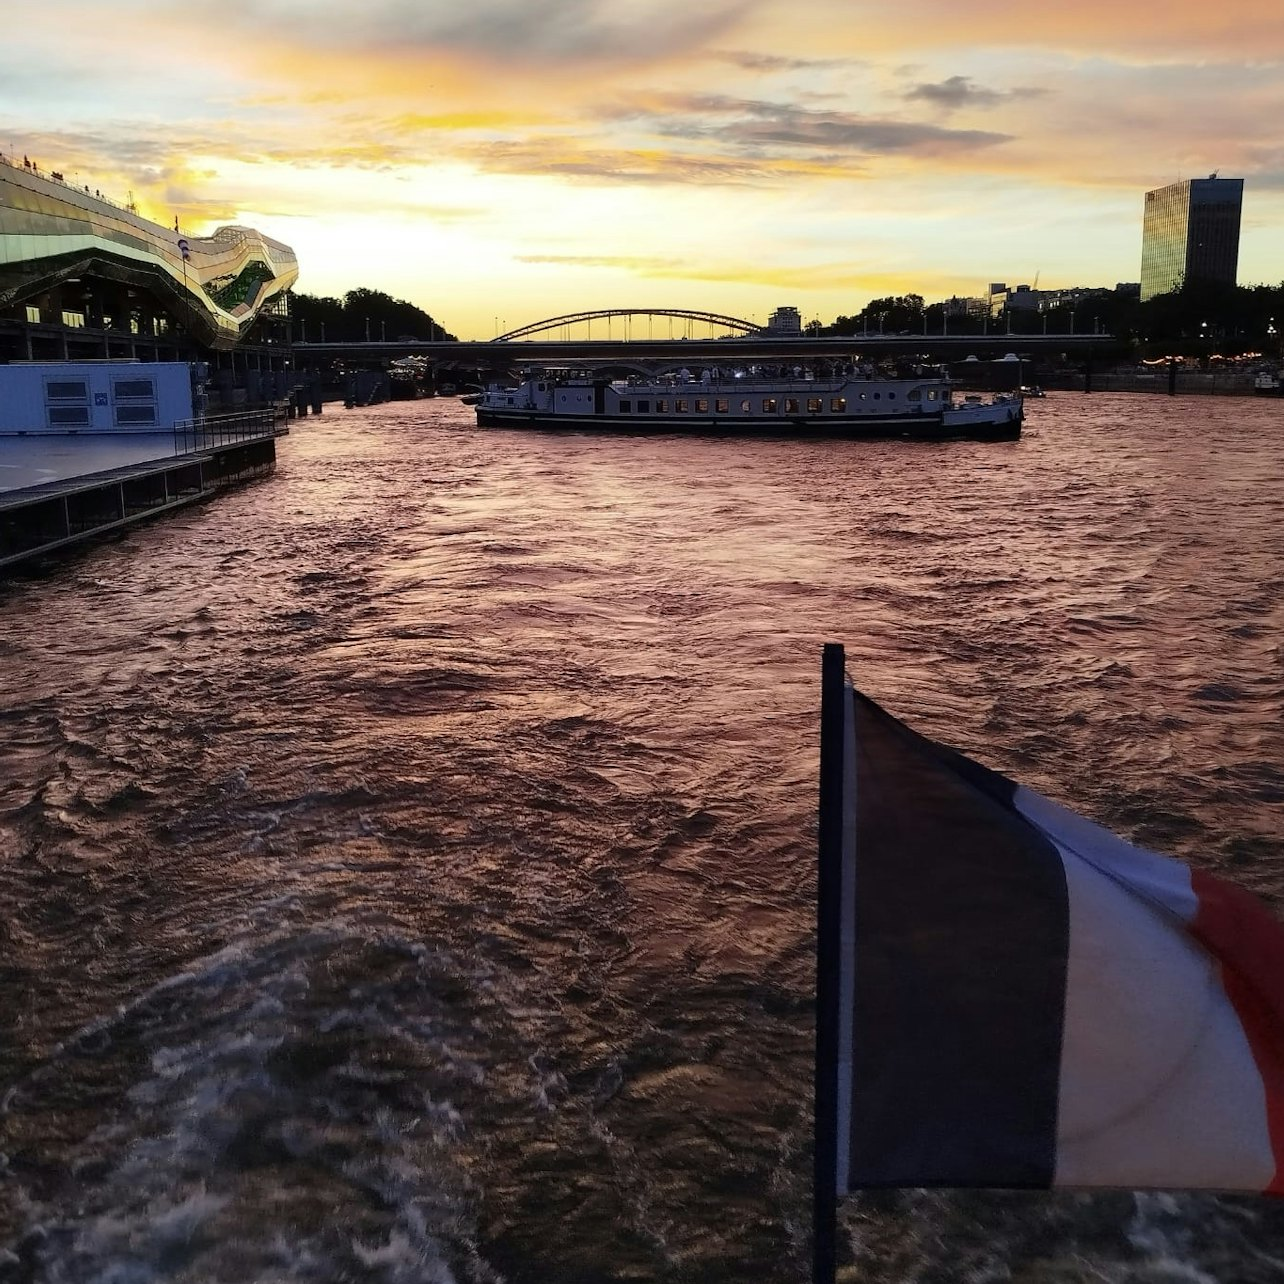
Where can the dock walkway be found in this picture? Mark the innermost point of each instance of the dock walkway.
(50, 516)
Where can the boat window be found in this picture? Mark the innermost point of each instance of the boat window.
(914, 395)
(644, 407)
(626, 407)
(877, 395)
(863, 395)
(746, 407)
(791, 405)
(542, 387)
(838, 404)
(721, 405)
(702, 407)
(931, 394)
(662, 406)
(769, 405)
(814, 405)
(891, 396)
(680, 405)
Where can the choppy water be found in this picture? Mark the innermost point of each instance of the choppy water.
(407, 862)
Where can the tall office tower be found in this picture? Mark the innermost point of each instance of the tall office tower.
(1190, 232)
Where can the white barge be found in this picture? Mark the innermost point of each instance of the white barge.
(852, 404)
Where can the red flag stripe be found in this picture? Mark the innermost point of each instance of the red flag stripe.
(1248, 943)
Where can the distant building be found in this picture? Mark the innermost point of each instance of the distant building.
(785, 321)
(1190, 232)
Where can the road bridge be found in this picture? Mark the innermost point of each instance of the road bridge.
(512, 354)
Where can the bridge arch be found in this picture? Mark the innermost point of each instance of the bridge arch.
(712, 319)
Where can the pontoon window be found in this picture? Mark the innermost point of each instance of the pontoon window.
(126, 415)
(68, 416)
(66, 390)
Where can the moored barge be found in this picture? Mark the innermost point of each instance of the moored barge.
(855, 404)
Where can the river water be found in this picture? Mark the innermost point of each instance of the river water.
(407, 861)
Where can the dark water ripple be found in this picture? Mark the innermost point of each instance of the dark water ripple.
(408, 861)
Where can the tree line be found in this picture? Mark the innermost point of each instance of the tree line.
(361, 316)
(1200, 317)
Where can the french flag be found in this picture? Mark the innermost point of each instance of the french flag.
(1011, 996)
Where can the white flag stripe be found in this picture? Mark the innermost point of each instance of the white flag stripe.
(1144, 873)
(1158, 1083)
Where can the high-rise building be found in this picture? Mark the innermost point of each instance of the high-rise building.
(1190, 232)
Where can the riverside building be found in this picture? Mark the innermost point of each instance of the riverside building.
(1190, 231)
(83, 278)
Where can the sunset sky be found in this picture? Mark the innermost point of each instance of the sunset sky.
(500, 161)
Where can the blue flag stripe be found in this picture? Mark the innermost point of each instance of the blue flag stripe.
(961, 935)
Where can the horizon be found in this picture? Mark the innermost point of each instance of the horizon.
(514, 162)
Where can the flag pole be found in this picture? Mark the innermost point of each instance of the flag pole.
(829, 871)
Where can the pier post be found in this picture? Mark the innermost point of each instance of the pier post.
(1172, 378)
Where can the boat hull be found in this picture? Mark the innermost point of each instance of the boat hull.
(968, 427)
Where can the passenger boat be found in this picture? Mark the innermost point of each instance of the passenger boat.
(857, 402)
(1267, 384)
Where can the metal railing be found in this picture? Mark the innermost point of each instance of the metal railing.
(223, 430)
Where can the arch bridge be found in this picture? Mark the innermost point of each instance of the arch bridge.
(714, 320)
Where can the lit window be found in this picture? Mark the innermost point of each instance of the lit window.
(931, 394)
(721, 405)
(769, 405)
(74, 320)
(746, 407)
(33, 314)
(814, 405)
(838, 404)
(662, 406)
(702, 407)
(680, 406)
(791, 405)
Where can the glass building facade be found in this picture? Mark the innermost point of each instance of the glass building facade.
(1190, 232)
(52, 232)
